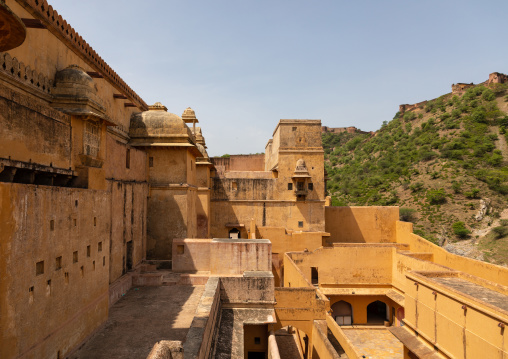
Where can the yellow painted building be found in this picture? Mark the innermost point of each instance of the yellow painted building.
(100, 193)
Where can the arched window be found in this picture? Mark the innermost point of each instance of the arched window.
(342, 312)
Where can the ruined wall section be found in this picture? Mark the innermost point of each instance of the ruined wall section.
(55, 269)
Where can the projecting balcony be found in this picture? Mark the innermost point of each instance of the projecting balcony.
(301, 192)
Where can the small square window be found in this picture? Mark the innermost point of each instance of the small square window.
(99, 246)
(300, 224)
(58, 263)
(311, 186)
(180, 249)
(290, 186)
(294, 128)
(75, 257)
(39, 268)
(257, 340)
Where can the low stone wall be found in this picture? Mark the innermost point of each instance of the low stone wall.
(321, 346)
(252, 287)
(118, 288)
(201, 337)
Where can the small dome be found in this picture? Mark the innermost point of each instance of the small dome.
(158, 123)
(189, 116)
(72, 76)
(202, 150)
(300, 164)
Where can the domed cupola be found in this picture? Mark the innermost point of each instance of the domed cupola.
(75, 93)
(158, 127)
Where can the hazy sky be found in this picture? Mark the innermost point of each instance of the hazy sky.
(243, 65)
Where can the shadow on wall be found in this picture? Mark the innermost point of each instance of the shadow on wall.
(361, 224)
(163, 213)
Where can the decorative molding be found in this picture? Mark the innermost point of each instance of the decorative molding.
(55, 22)
(15, 69)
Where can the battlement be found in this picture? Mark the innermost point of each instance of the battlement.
(350, 129)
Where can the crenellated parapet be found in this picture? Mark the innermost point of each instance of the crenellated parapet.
(54, 22)
(17, 70)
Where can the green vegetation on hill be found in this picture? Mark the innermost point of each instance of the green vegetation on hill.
(436, 162)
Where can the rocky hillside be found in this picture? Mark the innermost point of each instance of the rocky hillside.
(443, 162)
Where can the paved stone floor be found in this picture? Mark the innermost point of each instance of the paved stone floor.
(141, 318)
(376, 343)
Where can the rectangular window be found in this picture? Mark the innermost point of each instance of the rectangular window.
(299, 186)
(300, 224)
(290, 186)
(39, 268)
(311, 186)
(58, 263)
(88, 251)
(128, 158)
(52, 224)
(150, 161)
(91, 139)
(99, 246)
(314, 275)
(75, 257)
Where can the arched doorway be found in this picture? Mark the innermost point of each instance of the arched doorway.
(400, 316)
(342, 312)
(376, 313)
(234, 233)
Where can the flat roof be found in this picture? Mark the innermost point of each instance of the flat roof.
(476, 291)
(144, 316)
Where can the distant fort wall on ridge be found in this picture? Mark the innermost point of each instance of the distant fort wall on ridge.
(459, 89)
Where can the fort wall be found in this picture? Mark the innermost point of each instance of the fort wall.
(55, 263)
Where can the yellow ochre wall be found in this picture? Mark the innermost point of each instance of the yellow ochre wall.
(72, 299)
(44, 52)
(361, 224)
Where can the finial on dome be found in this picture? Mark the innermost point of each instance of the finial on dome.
(158, 107)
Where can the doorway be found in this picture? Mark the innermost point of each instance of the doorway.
(130, 249)
(376, 313)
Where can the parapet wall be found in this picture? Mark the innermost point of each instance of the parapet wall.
(222, 256)
(238, 163)
(474, 267)
(350, 129)
(369, 224)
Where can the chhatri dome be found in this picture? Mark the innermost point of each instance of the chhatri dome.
(189, 116)
(158, 126)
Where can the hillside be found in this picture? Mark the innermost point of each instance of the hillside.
(444, 162)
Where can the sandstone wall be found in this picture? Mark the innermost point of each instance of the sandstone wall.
(55, 268)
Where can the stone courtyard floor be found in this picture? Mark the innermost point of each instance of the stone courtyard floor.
(144, 316)
(375, 343)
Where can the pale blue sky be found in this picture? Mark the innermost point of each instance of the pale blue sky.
(243, 65)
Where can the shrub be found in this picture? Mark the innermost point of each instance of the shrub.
(500, 231)
(473, 193)
(488, 95)
(457, 187)
(415, 187)
(407, 214)
(460, 230)
(479, 115)
(409, 116)
(436, 196)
